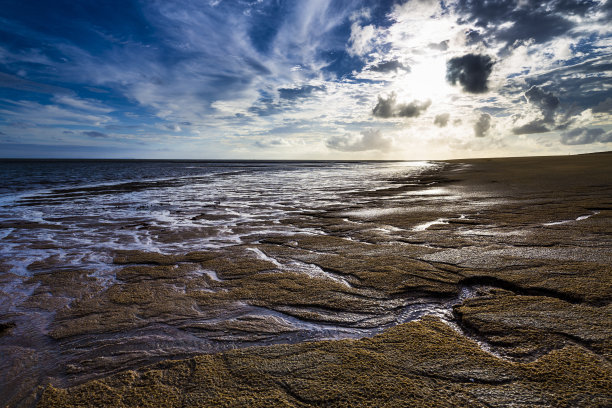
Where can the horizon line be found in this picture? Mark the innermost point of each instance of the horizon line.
(288, 160)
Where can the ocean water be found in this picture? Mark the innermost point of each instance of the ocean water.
(77, 213)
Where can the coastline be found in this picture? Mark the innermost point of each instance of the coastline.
(491, 277)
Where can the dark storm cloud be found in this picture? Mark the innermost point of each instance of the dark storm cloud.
(442, 119)
(546, 101)
(388, 66)
(581, 136)
(299, 92)
(389, 108)
(536, 126)
(482, 125)
(94, 133)
(539, 21)
(368, 140)
(471, 71)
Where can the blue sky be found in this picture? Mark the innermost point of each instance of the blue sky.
(312, 79)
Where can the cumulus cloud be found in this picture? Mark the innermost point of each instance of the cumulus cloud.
(97, 134)
(536, 126)
(361, 39)
(581, 136)
(546, 101)
(389, 108)
(482, 125)
(547, 104)
(471, 71)
(385, 108)
(368, 140)
(441, 120)
(412, 109)
(441, 46)
(388, 66)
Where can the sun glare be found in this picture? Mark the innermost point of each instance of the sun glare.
(426, 80)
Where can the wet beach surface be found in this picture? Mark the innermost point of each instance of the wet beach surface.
(466, 283)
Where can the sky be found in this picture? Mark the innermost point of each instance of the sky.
(308, 79)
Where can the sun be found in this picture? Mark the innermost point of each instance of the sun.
(425, 81)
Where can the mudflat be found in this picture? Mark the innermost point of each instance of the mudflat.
(478, 283)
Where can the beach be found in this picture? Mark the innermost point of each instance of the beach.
(482, 282)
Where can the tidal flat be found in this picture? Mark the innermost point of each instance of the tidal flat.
(467, 283)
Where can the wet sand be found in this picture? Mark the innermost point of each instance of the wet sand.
(477, 283)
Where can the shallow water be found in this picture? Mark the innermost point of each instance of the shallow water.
(78, 213)
(74, 215)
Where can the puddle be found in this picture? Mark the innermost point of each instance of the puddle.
(424, 226)
(581, 218)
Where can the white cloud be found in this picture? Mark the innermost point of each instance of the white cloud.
(81, 104)
(208, 71)
(369, 139)
(35, 114)
(362, 39)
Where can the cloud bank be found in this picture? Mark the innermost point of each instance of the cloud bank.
(390, 108)
(369, 139)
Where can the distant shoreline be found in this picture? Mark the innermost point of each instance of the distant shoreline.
(16, 159)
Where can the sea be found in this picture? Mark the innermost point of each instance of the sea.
(77, 213)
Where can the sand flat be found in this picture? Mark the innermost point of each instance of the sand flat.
(503, 298)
